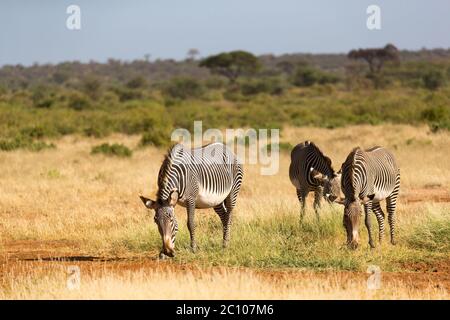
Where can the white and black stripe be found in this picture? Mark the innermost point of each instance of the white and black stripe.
(306, 161)
(206, 177)
(371, 176)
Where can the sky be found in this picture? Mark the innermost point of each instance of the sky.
(34, 31)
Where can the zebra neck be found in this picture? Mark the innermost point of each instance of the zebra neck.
(167, 187)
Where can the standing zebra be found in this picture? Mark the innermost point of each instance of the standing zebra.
(204, 177)
(310, 170)
(369, 176)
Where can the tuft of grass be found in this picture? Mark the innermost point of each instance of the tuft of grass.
(21, 142)
(115, 149)
(433, 234)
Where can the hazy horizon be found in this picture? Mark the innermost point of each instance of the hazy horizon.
(33, 32)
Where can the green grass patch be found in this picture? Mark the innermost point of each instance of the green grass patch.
(116, 149)
(280, 241)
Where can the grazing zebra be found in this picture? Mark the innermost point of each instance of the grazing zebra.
(205, 177)
(310, 170)
(368, 177)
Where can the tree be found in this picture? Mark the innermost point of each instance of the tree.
(376, 57)
(192, 54)
(286, 67)
(91, 86)
(232, 64)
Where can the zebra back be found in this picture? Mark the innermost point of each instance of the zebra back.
(366, 172)
(212, 167)
(304, 157)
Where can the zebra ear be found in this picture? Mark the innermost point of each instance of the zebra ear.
(148, 202)
(173, 198)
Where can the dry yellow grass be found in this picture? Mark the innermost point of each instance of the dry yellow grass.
(43, 281)
(67, 201)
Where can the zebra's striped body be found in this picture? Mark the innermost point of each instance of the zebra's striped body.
(310, 170)
(205, 177)
(369, 176)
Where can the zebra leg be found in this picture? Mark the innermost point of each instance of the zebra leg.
(380, 217)
(225, 217)
(301, 195)
(368, 223)
(391, 205)
(191, 224)
(318, 194)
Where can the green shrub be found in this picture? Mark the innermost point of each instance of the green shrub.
(433, 79)
(282, 146)
(115, 149)
(270, 86)
(436, 113)
(137, 83)
(42, 97)
(127, 94)
(157, 137)
(21, 142)
(96, 131)
(307, 76)
(183, 88)
(78, 101)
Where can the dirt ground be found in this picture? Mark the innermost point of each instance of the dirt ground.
(21, 255)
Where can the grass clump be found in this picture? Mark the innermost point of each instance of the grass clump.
(116, 149)
(24, 142)
(433, 234)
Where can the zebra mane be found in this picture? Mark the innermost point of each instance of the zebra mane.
(166, 166)
(348, 168)
(320, 153)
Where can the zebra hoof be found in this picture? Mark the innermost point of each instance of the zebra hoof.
(393, 242)
(372, 246)
(162, 256)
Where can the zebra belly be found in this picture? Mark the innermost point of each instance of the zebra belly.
(381, 195)
(207, 199)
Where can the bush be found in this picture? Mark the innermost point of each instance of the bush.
(270, 86)
(308, 76)
(435, 114)
(183, 88)
(137, 83)
(157, 137)
(127, 94)
(78, 101)
(282, 146)
(115, 149)
(433, 79)
(22, 142)
(96, 131)
(42, 97)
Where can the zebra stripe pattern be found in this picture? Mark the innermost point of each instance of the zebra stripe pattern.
(369, 177)
(205, 177)
(310, 170)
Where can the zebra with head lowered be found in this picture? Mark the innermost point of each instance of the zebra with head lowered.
(310, 170)
(204, 177)
(367, 178)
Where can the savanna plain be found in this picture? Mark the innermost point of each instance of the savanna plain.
(64, 207)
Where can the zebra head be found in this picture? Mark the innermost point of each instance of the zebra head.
(331, 184)
(352, 216)
(165, 220)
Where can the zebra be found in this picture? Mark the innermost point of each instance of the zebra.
(204, 177)
(310, 170)
(368, 177)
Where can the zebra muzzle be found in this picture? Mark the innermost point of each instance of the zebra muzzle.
(168, 248)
